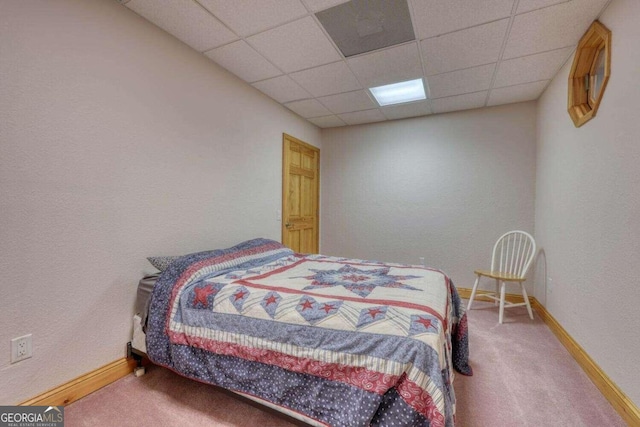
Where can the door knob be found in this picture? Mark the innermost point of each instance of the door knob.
(288, 225)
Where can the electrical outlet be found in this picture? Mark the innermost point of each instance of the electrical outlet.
(21, 348)
(549, 285)
(422, 263)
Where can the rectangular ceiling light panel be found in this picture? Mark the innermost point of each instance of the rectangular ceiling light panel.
(398, 93)
(359, 26)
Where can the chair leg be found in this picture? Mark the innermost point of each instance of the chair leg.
(502, 294)
(495, 302)
(473, 292)
(526, 300)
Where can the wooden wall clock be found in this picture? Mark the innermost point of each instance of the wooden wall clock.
(590, 73)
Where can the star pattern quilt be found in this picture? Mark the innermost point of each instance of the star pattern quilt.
(331, 341)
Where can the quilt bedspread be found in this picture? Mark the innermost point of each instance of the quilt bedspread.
(332, 341)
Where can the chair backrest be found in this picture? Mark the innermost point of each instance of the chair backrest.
(513, 253)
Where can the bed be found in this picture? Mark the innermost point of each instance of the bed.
(329, 341)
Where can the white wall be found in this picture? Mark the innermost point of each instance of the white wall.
(588, 209)
(443, 187)
(117, 142)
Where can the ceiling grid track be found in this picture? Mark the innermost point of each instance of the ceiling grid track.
(283, 49)
(502, 49)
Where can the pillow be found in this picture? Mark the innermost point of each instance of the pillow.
(253, 247)
(162, 262)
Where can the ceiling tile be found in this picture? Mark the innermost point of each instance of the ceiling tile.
(361, 26)
(282, 89)
(435, 17)
(295, 46)
(308, 108)
(187, 21)
(247, 17)
(542, 66)
(519, 93)
(529, 5)
(401, 111)
(465, 48)
(348, 102)
(392, 65)
(240, 58)
(551, 28)
(462, 81)
(459, 102)
(316, 5)
(359, 117)
(327, 121)
(327, 79)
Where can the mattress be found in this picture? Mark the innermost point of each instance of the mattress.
(143, 298)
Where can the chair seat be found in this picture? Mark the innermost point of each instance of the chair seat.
(500, 276)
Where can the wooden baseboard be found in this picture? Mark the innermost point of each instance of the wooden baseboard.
(629, 412)
(84, 384)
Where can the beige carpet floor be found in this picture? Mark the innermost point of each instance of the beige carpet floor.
(522, 377)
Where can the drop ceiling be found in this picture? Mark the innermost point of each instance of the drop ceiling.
(470, 53)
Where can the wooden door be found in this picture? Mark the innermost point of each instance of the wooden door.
(300, 195)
